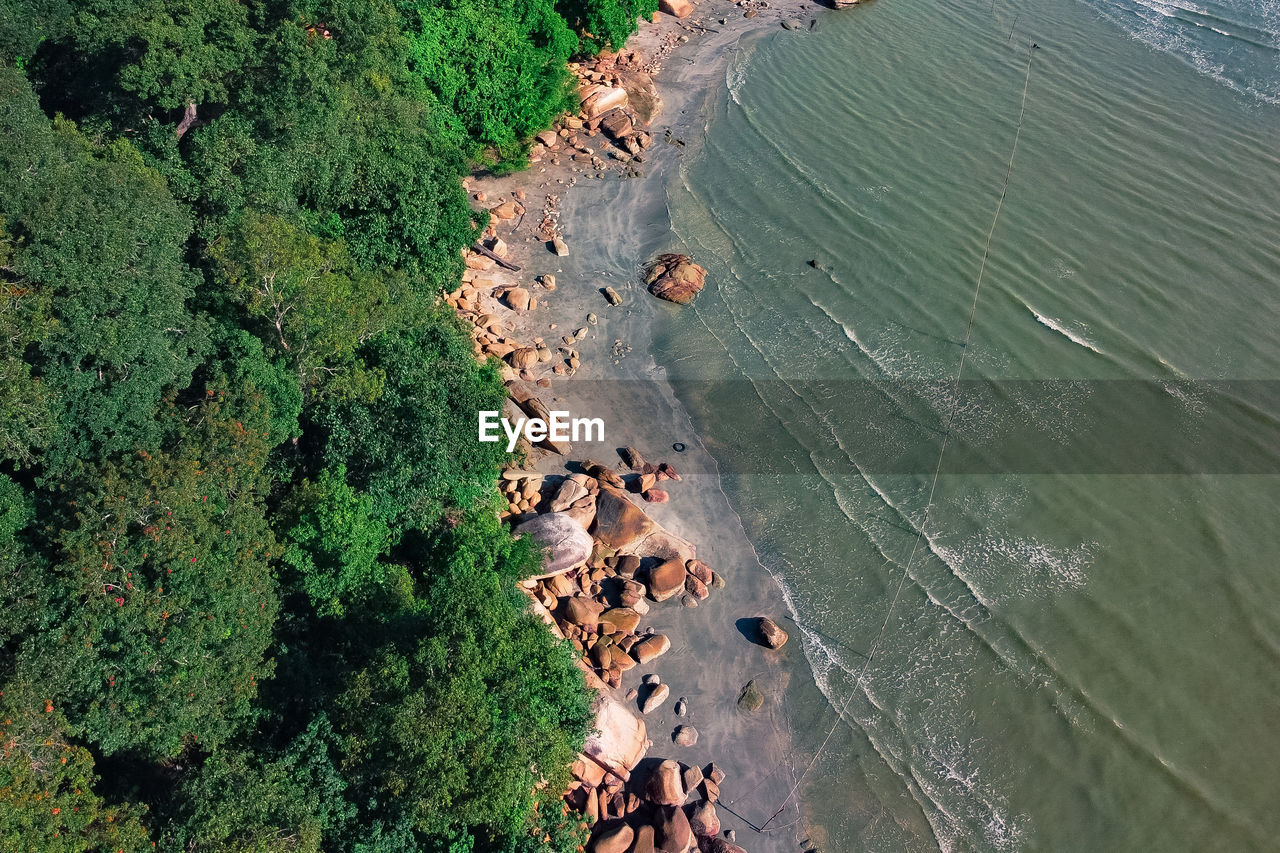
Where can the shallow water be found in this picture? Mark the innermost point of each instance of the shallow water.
(1038, 658)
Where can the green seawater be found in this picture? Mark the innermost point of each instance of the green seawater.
(1083, 651)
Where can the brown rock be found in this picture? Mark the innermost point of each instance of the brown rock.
(605, 475)
(628, 565)
(622, 619)
(651, 647)
(697, 568)
(684, 735)
(654, 698)
(506, 210)
(549, 138)
(518, 299)
(570, 492)
(616, 123)
(619, 522)
(711, 790)
(704, 821)
(597, 100)
(677, 8)
(523, 358)
(644, 840)
(692, 778)
(582, 611)
(632, 458)
(665, 786)
(770, 633)
(619, 659)
(672, 830)
(612, 296)
(666, 470)
(614, 839)
(656, 496)
(564, 541)
(696, 588)
(666, 579)
(675, 278)
(714, 773)
(559, 246)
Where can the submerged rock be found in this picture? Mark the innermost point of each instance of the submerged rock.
(751, 699)
(675, 278)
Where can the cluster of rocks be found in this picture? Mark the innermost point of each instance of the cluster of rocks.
(596, 587)
(674, 811)
(675, 278)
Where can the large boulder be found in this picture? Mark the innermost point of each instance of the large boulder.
(665, 786)
(704, 821)
(771, 634)
(582, 611)
(666, 579)
(616, 123)
(678, 8)
(619, 522)
(613, 839)
(598, 100)
(569, 492)
(565, 544)
(672, 830)
(651, 647)
(644, 840)
(675, 278)
(622, 619)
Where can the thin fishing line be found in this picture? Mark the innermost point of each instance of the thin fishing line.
(946, 436)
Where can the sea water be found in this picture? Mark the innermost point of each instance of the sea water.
(1065, 635)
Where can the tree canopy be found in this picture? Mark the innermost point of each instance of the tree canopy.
(256, 596)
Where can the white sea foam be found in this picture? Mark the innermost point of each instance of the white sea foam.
(1059, 327)
(1003, 568)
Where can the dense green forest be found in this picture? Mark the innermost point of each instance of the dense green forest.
(255, 593)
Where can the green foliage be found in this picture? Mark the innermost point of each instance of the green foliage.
(222, 357)
(455, 719)
(47, 801)
(604, 23)
(95, 237)
(310, 305)
(164, 595)
(413, 449)
(335, 544)
(500, 68)
(237, 801)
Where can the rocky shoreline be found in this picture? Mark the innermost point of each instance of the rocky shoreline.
(618, 562)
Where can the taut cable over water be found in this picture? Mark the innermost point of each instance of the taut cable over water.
(946, 435)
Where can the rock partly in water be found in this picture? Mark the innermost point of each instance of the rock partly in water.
(675, 278)
(565, 543)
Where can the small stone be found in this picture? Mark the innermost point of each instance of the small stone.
(682, 707)
(560, 247)
(612, 297)
(684, 736)
(592, 319)
(656, 697)
(651, 678)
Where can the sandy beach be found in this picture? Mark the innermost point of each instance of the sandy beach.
(613, 225)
